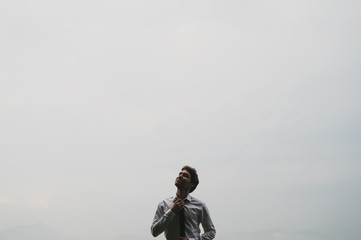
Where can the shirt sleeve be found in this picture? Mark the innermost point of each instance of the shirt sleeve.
(161, 220)
(207, 224)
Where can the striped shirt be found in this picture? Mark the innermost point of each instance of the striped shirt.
(195, 212)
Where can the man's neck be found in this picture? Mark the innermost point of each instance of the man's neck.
(182, 193)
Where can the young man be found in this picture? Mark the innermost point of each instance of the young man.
(179, 217)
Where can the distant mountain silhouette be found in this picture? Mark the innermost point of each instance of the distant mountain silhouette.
(130, 237)
(31, 232)
(43, 232)
(274, 234)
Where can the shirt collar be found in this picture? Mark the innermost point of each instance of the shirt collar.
(187, 199)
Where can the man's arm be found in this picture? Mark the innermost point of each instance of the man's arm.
(207, 224)
(161, 220)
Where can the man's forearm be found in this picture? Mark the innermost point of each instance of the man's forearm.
(208, 235)
(161, 225)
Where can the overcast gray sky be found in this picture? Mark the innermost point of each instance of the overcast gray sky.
(102, 103)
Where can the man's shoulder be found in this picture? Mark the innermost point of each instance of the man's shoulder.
(166, 203)
(168, 200)
(196, 200)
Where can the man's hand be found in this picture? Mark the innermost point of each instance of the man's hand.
(177, 206)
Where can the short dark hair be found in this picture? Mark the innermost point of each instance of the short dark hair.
(194, 176)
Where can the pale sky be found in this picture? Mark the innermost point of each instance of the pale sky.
(102, 103)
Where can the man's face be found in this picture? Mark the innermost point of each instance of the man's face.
(183, 181)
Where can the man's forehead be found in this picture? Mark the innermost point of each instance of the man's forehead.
(186, 171)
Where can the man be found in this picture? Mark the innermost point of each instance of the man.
(179, 217)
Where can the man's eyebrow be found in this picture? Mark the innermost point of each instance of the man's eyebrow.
(184, 173)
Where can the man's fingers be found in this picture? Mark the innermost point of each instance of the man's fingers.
(179, 204)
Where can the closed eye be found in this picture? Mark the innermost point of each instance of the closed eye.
(184, 174)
